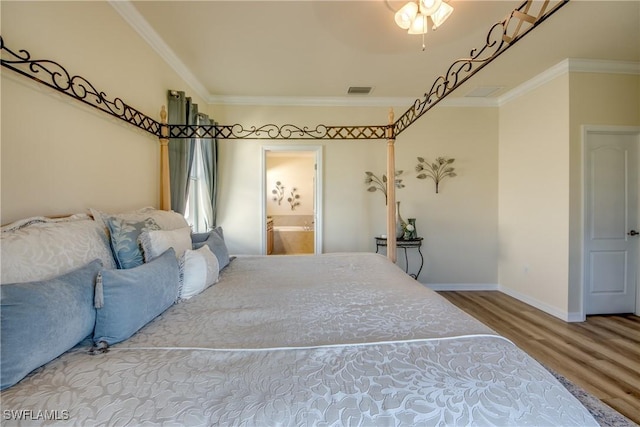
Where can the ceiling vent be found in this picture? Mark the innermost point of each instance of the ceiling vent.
(359, 90)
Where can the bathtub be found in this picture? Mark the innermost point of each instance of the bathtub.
(293, 239)
(292, 228)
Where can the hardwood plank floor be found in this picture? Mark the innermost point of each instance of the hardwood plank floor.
(601, 355)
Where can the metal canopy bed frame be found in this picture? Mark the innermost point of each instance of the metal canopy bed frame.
(501, 36)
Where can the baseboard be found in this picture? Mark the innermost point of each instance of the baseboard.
(562, 315)
(576, 317)
(462, 286)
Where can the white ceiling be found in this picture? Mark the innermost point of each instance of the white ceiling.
(313, 51)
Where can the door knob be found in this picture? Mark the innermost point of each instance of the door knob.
(633, 233)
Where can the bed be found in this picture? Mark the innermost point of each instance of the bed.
(334, 339)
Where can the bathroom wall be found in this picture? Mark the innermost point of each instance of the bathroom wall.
(295, 172)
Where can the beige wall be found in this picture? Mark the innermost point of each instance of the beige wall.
(239, 210)
(296, 174)
(459, 223)
(58, 155)
(595, 99)
(534, 193)
(540, 191)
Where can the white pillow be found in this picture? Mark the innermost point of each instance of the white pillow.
(41, 248)
(155, 242)
(200, 269)
(167, 220)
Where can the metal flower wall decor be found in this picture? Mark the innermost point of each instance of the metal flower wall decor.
(278, 193)
(437, 171)
(376, 183)
(293, 199)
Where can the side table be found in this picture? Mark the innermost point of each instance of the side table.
(405, 244)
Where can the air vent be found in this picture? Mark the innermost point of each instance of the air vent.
(359, 90)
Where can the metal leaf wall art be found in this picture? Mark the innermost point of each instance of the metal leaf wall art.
(374, 183)
(278, 193)
(437, 171)
(293, 199)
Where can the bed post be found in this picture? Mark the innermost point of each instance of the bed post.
(391, 190)
(165, 189)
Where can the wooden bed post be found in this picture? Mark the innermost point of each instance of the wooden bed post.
(165, 184)
(391, 190)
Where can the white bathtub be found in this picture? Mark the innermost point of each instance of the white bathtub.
(291, 228)
(293, 239)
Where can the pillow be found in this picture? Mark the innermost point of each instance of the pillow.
(43, 248)
(215, 240)
(166, 220)
(124, 240)
(155, 242)
(129, 299)
(25, 222)
(200, 270)
(41, 320)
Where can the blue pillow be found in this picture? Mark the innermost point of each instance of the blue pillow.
(123, 235)
(41, 320)
(215, 240)
(129, 299)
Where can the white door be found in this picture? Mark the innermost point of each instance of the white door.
(611, 221)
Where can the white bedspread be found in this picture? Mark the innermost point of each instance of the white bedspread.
(317, 340)
(284, 301)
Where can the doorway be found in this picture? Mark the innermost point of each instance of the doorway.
(291, 200)
(611, 220)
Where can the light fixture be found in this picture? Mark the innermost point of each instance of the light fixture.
(441, 15)
(414, 16)
(419, 25)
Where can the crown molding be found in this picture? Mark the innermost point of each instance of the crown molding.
(557, 70)
(603, 66)
(310, 101)
(131, 15)
(343, 101)
(571, 65)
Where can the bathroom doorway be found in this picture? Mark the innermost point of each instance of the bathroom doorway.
(292, 202)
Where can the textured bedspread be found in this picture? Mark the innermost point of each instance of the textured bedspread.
(329, 340)
(284, 301)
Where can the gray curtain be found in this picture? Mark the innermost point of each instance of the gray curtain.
(180, 150)
(181, 155)
(210, 157)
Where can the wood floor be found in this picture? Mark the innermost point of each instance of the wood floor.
(602, 355)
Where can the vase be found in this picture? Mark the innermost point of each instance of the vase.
(400, 224)
(412, 231)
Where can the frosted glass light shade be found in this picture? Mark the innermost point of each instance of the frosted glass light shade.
(419, 25)
(406, 15)
(428, 7)
(441, 15)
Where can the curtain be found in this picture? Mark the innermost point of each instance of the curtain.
(180, 150)
(209, 151)
(193, 166)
